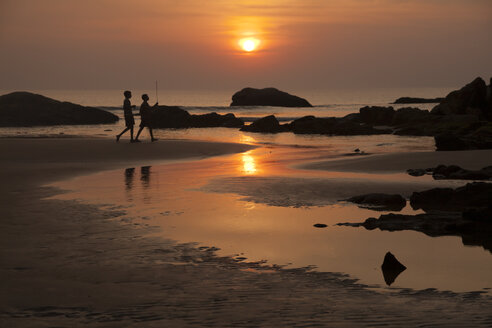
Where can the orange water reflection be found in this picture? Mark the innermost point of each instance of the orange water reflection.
(173, 198)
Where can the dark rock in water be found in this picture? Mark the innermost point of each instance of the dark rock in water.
(476, 194)
(479, 214)
(267, 97)
(333, 126)
(473, 230)
(413, 100)
(268, 124)
(176, 118)
(28, 109)
(320, 225)
(380, 202)
(391, 268)
(471, 99)
(376, 115)
(458, 173)
(416, 172)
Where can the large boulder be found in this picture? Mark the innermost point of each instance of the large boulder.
(471, 99)
(173, 117)
(473, 136)
(476, 194)
(268, 124)
(267, 97)
(29, 109)
(376, 115)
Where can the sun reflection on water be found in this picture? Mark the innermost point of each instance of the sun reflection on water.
(249, 164)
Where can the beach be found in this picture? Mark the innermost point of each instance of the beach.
(71, 263)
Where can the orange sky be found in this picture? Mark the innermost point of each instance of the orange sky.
(191, 44)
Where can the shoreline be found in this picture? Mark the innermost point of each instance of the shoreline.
(73, 264)
(401, 162)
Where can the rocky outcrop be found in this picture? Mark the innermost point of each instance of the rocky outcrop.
(472, 228)
(172, 117)
(476, 136)
(413, 100)
(28, 109)
(268, 124)
(376, 115)
(267, 97)
(380, 202)
(472, 195)
(458, 173)
(472, 99)
(346, 126)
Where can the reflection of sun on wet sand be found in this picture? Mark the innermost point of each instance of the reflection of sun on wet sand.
(79, 265)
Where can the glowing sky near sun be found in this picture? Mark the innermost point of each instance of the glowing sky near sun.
(191, 44)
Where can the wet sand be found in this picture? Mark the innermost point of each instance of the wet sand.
(70, 264)
(401, 162)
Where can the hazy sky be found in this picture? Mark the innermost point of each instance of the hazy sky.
(193, 44)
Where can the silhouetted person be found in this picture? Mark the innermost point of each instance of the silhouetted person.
(146, 117)
(129, 120)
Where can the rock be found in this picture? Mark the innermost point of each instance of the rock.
(476, 194)
(391, 268)
(333, 126)
(28, 109)
(177, 118)
(479, 138)
(320, 225)
(267, 97)
(458, 173)
(268, 124)
(380, 202)
(416, 172)
(376, 115)
(409, 115)
(313, 125)
(412, 100)
(475, 232)
(479, 214)
(471, 99)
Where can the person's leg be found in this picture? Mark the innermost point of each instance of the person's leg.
(122, 132)
(138, 134)
(152, 135)
(131, 133)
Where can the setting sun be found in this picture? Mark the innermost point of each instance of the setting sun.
(249, 44)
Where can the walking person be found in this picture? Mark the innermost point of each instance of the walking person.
(129, 120)
(146, 117)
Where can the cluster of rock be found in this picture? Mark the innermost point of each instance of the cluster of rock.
(465, 211)
(454, 172)
(380, 202)
(463, 120)
(28, 109)
(176, 118)
(412, 100)
(267, 97)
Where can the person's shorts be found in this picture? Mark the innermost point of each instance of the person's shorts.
(129, 121)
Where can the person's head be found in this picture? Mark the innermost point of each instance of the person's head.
(127, 94)
(145, 97)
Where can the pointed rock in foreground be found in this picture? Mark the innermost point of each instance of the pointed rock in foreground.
(391, 268)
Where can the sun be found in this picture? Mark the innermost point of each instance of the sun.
(249, 44)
